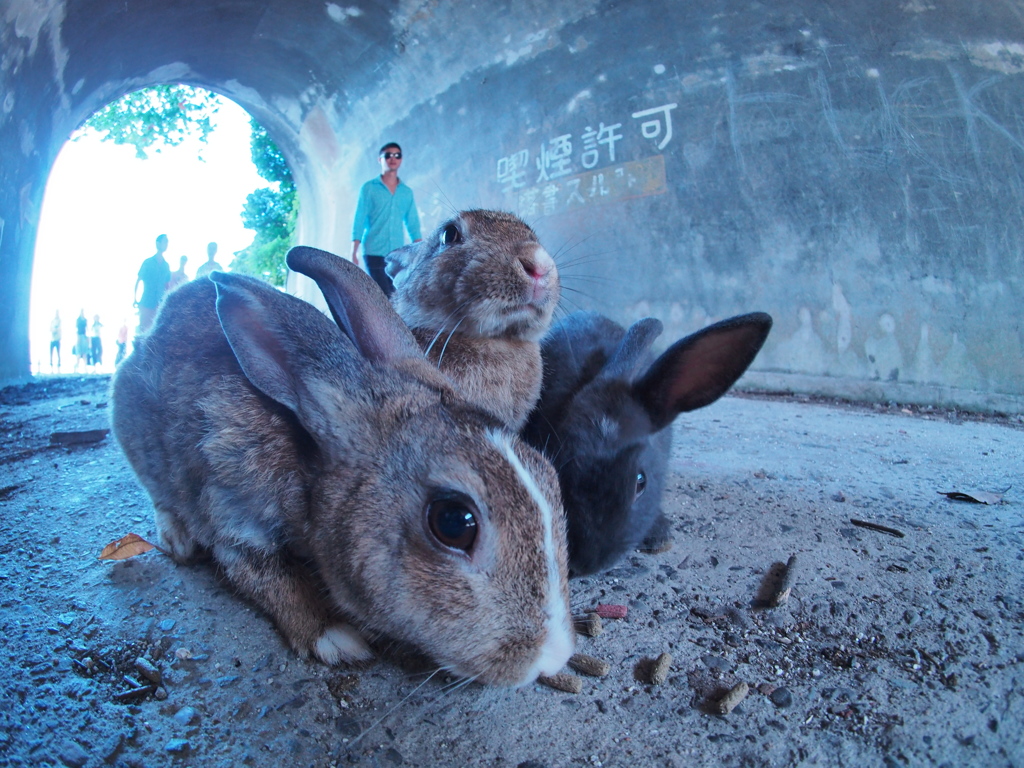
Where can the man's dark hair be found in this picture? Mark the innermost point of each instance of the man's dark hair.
(388, 146)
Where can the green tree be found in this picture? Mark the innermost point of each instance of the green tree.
(164, 115)
(270, 212)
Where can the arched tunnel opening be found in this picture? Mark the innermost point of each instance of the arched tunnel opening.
(106, 203)
(831, 577)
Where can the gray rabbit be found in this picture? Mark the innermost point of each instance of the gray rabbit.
(603, 418)
(479, 294)
(340, 482)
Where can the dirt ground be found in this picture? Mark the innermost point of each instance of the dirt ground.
(892, 650)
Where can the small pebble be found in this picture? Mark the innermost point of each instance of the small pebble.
(781, 697)
(73, 755)
(147, 669)
(732, 699)
(660, 669)
(611, 611)
(167, 625)
(589, 665)
(177, 746)
(563, 681)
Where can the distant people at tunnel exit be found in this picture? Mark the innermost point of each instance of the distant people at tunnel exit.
(81, 342)
(385, 210)
(154, 274)
(210, 265)
(55, 340)
(178, 276)
(122, 342)
(96, 343)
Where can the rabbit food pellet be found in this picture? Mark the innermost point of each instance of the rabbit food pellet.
(660, 668)
(588, 624)
(785, 585)
(563, 681)
(607, 611)
(588, 665)
(731, 700)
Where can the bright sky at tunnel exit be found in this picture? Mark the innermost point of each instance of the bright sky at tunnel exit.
(102, 211)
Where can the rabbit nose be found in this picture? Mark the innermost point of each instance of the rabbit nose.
(538, 264)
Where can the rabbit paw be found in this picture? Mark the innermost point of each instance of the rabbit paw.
(174, 537)
(340, 642)
(658, 539)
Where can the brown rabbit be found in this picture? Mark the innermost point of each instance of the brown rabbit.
(479, 294)
(340, 481)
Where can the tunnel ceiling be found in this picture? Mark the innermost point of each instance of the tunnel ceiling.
(854, 168)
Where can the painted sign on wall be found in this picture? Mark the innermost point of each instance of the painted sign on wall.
(571, 171)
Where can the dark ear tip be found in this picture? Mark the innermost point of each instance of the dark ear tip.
(225, 281)
(765, 321)
(649, 325)
(762, 321)
(304, 258)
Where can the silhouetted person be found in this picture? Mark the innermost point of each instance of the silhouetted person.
(55, 340)
(210, 265)
(386, 208)
(95, 343)
(122, 342)
(81, 342)
(154, 274)
(178, 276)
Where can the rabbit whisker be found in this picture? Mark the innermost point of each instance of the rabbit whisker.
(456, 685)
(445, 347)
(444, 325)
(582, 259)
(570, 289)
(447, 201)
(592, 278)
(391, 711)
(433, 341)
(569, 245)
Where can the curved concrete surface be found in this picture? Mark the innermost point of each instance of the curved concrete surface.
(855, 169)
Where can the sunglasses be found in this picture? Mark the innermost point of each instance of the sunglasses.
(389, 155)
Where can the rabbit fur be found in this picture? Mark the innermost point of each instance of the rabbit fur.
(340, 482)
(603, 419)
(479, 294)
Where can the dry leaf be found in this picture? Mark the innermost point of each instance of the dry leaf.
(125, 547)
(976, 497)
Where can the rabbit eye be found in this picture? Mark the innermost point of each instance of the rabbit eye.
(452, 522)
(450, 235)
(641, 483)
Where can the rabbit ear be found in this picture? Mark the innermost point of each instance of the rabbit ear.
(627, 356)
(358, 305)
(255, 321)
(700, 368)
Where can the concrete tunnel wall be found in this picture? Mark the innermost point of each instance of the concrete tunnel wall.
(854, 169)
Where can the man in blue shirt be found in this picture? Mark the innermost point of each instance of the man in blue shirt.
(154, 274)
(386, 208)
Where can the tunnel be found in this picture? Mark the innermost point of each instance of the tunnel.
(854, 169)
